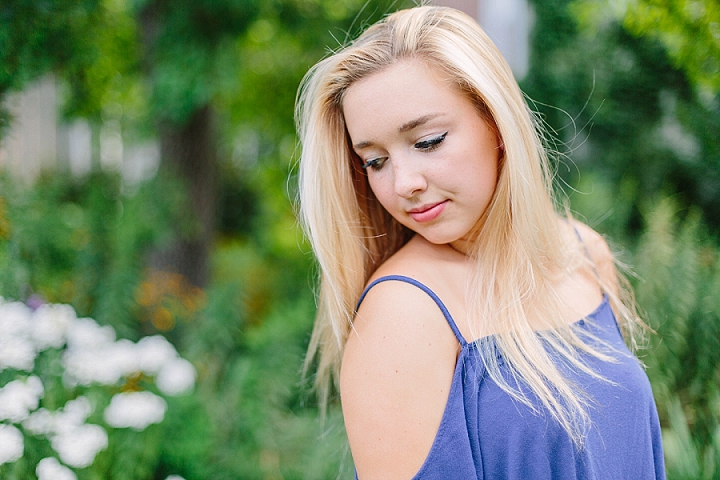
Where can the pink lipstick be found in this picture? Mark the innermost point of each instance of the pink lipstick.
(428, 212)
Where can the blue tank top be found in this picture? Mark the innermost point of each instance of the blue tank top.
(487, 434)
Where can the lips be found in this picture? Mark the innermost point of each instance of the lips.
(427, 212)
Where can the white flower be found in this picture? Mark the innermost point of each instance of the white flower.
(83, 367)
(105, 365)
(18, 353)
(135, 410)
(171, 477)
(14, 319)
(75, 412)
(49, 325)
(85, 333)
(78, 445)
(72, 415)
(123, 357)
(50, 469)
(16, 348)
(176, 377)
(93, 356)
(154, 352)
(19, 397)
(11, 444)
(40, 422)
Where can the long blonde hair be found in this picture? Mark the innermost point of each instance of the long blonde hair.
(518, 250)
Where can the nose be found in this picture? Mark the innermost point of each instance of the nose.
(409, 179)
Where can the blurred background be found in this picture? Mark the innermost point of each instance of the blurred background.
(147, 178)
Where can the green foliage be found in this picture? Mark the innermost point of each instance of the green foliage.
(248, 417)
(260, 427)
(679, 268)
(84, 242)
(90, 42)
(36, 36)
(690, 30)
(621, 109)
(185, 48)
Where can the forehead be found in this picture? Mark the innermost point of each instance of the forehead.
(398, 94)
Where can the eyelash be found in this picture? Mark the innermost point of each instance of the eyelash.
(374, 163)
(431, 144)
(425, 145)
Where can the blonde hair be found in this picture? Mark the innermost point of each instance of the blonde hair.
(518, 249)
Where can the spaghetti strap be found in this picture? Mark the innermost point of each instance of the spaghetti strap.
(424, 288)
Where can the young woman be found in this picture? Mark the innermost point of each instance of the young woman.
(473, 328)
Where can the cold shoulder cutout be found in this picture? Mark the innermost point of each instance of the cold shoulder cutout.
(486, 434)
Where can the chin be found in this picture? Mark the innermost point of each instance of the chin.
(439, 239)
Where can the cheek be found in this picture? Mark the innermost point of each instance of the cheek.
(380, 187)
(481, 182)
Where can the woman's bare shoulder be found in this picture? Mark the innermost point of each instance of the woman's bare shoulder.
(597, 247)
(594, 242)
(597, 250)
(400, 342)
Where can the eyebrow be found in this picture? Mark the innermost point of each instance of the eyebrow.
(405, 127)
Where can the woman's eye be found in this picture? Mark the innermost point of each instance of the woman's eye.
(375, 163)
(431, 144)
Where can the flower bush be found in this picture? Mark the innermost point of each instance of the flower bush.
(68, 387)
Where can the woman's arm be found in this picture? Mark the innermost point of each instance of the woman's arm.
(395, 379)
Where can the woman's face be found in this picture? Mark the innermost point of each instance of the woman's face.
(430, 158)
